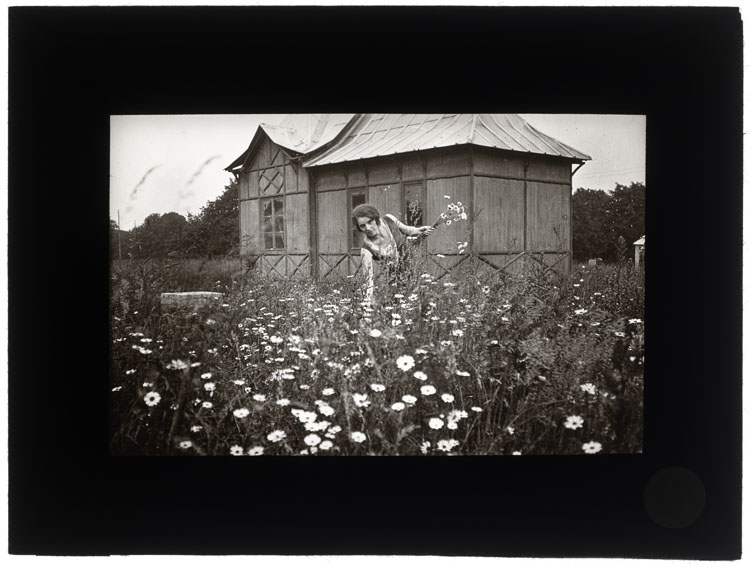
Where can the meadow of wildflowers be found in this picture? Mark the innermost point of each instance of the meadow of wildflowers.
(473, 365)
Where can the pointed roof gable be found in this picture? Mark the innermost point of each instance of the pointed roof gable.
(373, 135)
(299, 133)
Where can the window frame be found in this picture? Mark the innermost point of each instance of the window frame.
(273, 217)
(350, 198)
(404, 202)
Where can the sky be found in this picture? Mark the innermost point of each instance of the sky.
(175, 163)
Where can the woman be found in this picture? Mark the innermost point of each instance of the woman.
(383, 240)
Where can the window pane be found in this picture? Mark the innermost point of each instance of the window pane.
(267, 227)
(414, 205)
(278, 205)
(269, 242)
(279, 224)
(279, 241)
(358, 198)
(413, 213)
(267, 209)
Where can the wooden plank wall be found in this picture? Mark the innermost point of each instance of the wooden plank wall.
(498, 204)
(262, 156)
(386, 199)
(249, 227)
(444, 239)
(332, 222)
(548, 224)
(297, 224)
(383, 173)
(412, 168)
(538, 224)
(252, 185)
(490, 181)
(357, 176)
(547, 227)
(497, 164)
(449, 163)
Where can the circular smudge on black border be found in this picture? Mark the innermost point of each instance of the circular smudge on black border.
(674, 497)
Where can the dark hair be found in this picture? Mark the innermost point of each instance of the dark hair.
(364, 210)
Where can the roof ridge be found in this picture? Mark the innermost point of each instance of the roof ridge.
(543, 137)
(330, 146)
(570, 149)
(473, 127)
(530, 142)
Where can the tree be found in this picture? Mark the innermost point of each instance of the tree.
(215, 230)
(627, 213)
(212, 232)
(600, 218)
(159, 235)
(590, 223)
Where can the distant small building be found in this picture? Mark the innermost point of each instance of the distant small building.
(300, 180)
(640, 250)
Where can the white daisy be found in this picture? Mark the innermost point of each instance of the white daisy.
(152, 398)
(436, 423)
(427, 390)
(276, 436)
(592, 447)
(573, 422)
(405, 362)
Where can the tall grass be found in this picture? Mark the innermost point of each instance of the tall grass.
(480, 363)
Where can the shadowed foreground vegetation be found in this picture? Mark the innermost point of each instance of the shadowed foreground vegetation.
(501, 365)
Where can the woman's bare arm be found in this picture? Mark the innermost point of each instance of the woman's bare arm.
(410, 230)
(405, 228)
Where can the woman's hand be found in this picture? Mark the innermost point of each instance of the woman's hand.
(425, 230)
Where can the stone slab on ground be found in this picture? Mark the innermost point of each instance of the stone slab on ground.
(191, 299)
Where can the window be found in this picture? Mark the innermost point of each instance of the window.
(356, 197)
(414, 199)
(273, 223)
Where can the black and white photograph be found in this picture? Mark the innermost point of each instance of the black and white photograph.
(377, 284)
(371, 281)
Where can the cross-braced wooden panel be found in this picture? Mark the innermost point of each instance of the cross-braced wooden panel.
(355, 264)
(271, 181)
(549, 262)
(273, 266)
(277, 156)
(510, 264)
(332, 265)
(298, 266)
(442, 265)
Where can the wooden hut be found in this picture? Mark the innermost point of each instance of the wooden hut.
(300, 180)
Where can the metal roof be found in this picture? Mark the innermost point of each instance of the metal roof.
(305, 133)
(301, 133)
(373, 135)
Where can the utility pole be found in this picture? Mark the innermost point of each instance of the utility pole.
(119, 236)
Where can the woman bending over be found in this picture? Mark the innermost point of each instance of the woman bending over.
(383, 238)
